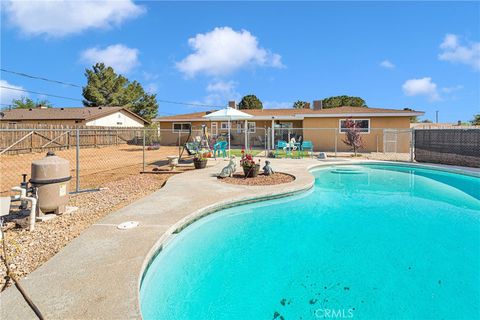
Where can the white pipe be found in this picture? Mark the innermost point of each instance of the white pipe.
(33, 212)
(23, 194)
(23, 197)
(22, 191)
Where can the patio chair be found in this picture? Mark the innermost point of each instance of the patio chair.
(220, 146)
(281, 145)
(307, 146)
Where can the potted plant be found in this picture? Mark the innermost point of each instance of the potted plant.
(200, 160)
(250, 167)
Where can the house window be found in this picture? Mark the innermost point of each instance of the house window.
(284, 125)
(251, 127)
(181, 127)
(214, 127)
(363, 125)
(239, 127)
(119, 123)
(224, 126)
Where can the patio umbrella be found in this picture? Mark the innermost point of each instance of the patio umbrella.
(228, 114)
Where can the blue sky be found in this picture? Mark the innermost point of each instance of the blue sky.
(421, 55)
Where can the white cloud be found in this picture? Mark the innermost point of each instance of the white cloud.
(452, 89)
(277, 105)
(421, 87)
(224, 50)
(63, 17)
(120, 57)
(387, 64)
(220, 92)
(449, 42)
(453, 51)
(7, 95)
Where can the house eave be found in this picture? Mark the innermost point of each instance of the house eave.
(308, 115)
(365, 114)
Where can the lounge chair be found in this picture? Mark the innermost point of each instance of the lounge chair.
(220, 146)
(307, 146)
(281, 145)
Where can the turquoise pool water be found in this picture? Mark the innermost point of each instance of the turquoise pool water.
(367, 242)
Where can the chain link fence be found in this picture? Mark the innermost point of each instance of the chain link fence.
(99, 155)
(95, 155)
(448, 146)
(379, 144)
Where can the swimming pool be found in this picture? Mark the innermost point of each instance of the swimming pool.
(367, 242)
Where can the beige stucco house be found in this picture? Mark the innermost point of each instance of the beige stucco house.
(382, 129)
(91, 116)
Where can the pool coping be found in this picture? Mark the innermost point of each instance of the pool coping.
(151, 239)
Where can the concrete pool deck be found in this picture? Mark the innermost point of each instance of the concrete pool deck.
(97, 275)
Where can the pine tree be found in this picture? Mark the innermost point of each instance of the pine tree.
(250, 102)
(301, 104)
(342, 101)
(106, 88)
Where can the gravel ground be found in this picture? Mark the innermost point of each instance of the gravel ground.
(28, 250)
(260, 180)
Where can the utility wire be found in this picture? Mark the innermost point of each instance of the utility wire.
(40, 78)
(41, 93)
(74, 99)
(78, 86)
(190, 104)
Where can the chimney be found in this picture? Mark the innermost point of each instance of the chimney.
(232, 104)
(317, 105)
(307, 105)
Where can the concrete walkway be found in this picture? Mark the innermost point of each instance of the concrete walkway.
(97, 275)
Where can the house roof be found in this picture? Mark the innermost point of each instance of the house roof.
(299, 114)
(83, 113)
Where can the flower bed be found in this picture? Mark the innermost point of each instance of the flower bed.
(260, 179)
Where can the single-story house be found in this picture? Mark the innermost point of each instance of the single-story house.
(382, 129)
(84, 116)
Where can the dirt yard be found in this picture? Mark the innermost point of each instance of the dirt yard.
(97, 165)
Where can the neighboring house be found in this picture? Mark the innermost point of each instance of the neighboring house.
(321, 126)
(85, 116)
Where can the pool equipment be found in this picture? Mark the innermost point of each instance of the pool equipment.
(49, 178)
(46, 191)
